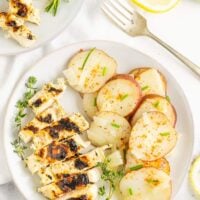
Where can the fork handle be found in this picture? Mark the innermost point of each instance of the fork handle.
(195, 68)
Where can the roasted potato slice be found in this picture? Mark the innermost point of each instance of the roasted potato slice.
(109, 128)
(152, 137)
(155, 103)
(89, 70)
(120, 95)
(146, 183)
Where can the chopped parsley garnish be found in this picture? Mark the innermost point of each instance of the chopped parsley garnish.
(122, 97)
(168, 98)
(110, 176)
(156, 104)
(115, 125)
(146, 87)
(104, 72)
(164, 134)
(136, 167)
(130, 191)
(87, 57)
(152, 181)
(95, 102)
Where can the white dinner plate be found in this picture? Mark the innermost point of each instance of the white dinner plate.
(51, 67)
(49, 28)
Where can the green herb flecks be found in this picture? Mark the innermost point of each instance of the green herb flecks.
(130, 191)
(156, 104)
(168, 99)
(122, 97)
(19, 147)
(53, 6)
(87, 57)
(95, 102)
(102, 191)
(152, 181)
(110, 176)
(165, 134)
(23, 103)
(115, 125)
(146, 87)
(104, 71)
(136, 167)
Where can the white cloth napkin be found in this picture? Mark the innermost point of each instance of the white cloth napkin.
(91, 24)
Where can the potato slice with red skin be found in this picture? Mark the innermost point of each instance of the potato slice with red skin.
(147, 183)
(152, 137)
(90, 104)
(132, 163)
(120, 95)
(155, 103)
(150, 80)
(89, 70)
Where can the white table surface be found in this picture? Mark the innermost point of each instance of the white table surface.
(180, 28)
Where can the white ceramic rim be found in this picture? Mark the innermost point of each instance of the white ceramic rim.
(42, 44)
(186, 167)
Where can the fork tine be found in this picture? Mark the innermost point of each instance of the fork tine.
(126, 6)
(117, 6)
(106, 9)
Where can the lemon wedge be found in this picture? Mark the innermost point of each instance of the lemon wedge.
(194, 176)
(156, 6)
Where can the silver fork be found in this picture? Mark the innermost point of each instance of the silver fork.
(134, 24)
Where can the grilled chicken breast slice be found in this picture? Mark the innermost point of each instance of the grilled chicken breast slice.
(70, 182)
(25, 10)
(76, 165)
(54, 113)
(62, 129)
(15, 29)
(88, 193)
(47, 95)
(56, 151)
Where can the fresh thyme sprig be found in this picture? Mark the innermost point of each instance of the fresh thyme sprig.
(18, 145)
(22, 104)
(111, 176)
(53, 6)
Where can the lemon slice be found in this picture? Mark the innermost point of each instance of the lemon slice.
(194, 176)
(156, 6)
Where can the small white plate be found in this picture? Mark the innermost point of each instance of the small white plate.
(51, 67)
(49, 28)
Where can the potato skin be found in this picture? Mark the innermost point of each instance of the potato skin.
(152, 96)
(130, 81)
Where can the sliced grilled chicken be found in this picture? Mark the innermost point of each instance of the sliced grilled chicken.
(88, 193)
(16, 29)
(25, 10)
(62, 129)
(132, 163)
(70, 182)
(47, 95)
(56, 151)
(152, 137)
(146, 184)
(75, 165)
(89, 70)
(54, 113)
